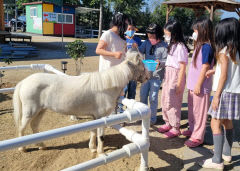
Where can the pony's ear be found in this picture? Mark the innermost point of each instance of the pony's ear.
(133, 56)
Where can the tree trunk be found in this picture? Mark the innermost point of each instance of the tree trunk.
(100, 19)
(2, 28)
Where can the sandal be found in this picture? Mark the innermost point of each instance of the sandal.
(172, 133)
(187, 133)
(193, 143)
(164, 128)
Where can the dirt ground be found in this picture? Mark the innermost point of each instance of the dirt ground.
(73, 149)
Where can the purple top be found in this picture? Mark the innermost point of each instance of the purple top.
(204, 56)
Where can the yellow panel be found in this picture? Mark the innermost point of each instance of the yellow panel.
(47, 7)
(48, 28)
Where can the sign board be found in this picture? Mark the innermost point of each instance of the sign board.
(50, 17)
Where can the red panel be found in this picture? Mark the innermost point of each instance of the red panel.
(68, 29)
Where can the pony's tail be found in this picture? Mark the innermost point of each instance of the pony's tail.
(17, 104)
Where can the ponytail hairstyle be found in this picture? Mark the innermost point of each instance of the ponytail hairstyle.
(227, 33)
(175, 28)
(205, 34)
(120, 21)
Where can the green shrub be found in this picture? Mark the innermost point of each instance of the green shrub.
(76, 51)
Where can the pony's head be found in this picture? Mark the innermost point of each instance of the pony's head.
(134, 61)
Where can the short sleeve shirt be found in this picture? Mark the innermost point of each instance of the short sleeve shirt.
(114, 44)
(178, 53)
(204, 56)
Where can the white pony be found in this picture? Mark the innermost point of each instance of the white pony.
(92, 94)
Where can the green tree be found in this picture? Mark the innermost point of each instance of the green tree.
(184, 15)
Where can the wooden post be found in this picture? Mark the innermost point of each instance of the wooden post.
(211, 12)
(168, 11)
(2, 27)
(167, 14)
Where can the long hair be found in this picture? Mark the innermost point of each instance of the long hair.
(119, 20)
(175, 29)
(227, 33)
(155, 29)
(205, 34)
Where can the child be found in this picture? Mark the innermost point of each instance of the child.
(199, 87)
(111, 46)
(174, 80)
(132, 42)
(155, 49)
(226, 84)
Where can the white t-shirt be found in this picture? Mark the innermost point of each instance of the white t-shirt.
(114, 44)
(232, 84)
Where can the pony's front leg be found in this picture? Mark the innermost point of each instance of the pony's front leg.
(92, 141)
(100, 133)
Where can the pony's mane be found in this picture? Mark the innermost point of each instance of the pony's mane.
(115, 77)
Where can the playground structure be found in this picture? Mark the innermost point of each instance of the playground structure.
(135, 111)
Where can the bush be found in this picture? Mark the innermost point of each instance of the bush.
(76, 51)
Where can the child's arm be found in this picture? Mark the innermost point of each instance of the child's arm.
(101, 50)
(223, 77)
(201, 78)
(181, 75)
(210, 72)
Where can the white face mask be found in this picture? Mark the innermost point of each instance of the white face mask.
(167, 38)
(195, 36)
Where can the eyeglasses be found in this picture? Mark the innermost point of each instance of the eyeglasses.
(152, 50)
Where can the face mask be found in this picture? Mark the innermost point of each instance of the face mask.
(167, 39)
(153, 41)
(195, 36)
(129, 33)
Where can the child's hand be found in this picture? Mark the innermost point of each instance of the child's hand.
(134, 45)
(197, 90)
(158, 61)
(215, 103)
(118, 55)
(209, 73)
(178, 89)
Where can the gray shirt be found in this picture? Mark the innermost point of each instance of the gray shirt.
(160, 53)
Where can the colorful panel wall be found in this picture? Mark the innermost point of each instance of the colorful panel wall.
(48, 27)
(34, 23)
(68, 29)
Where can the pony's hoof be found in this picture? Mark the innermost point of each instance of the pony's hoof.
(93, 150)
(73, 118)
(22, 149)
(42, 148)
(101, 155)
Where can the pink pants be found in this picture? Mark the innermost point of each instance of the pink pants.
(197, 114)
(170, 101)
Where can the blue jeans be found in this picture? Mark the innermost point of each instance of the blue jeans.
(150, 89)
(130, 90)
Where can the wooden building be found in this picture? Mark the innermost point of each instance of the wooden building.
(46, 18)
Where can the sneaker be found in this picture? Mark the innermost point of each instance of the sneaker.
(193, 143)
(227, 158)
(224, 157)
(187, 133)
(209, 164)
(172, 133)
(164, 128)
